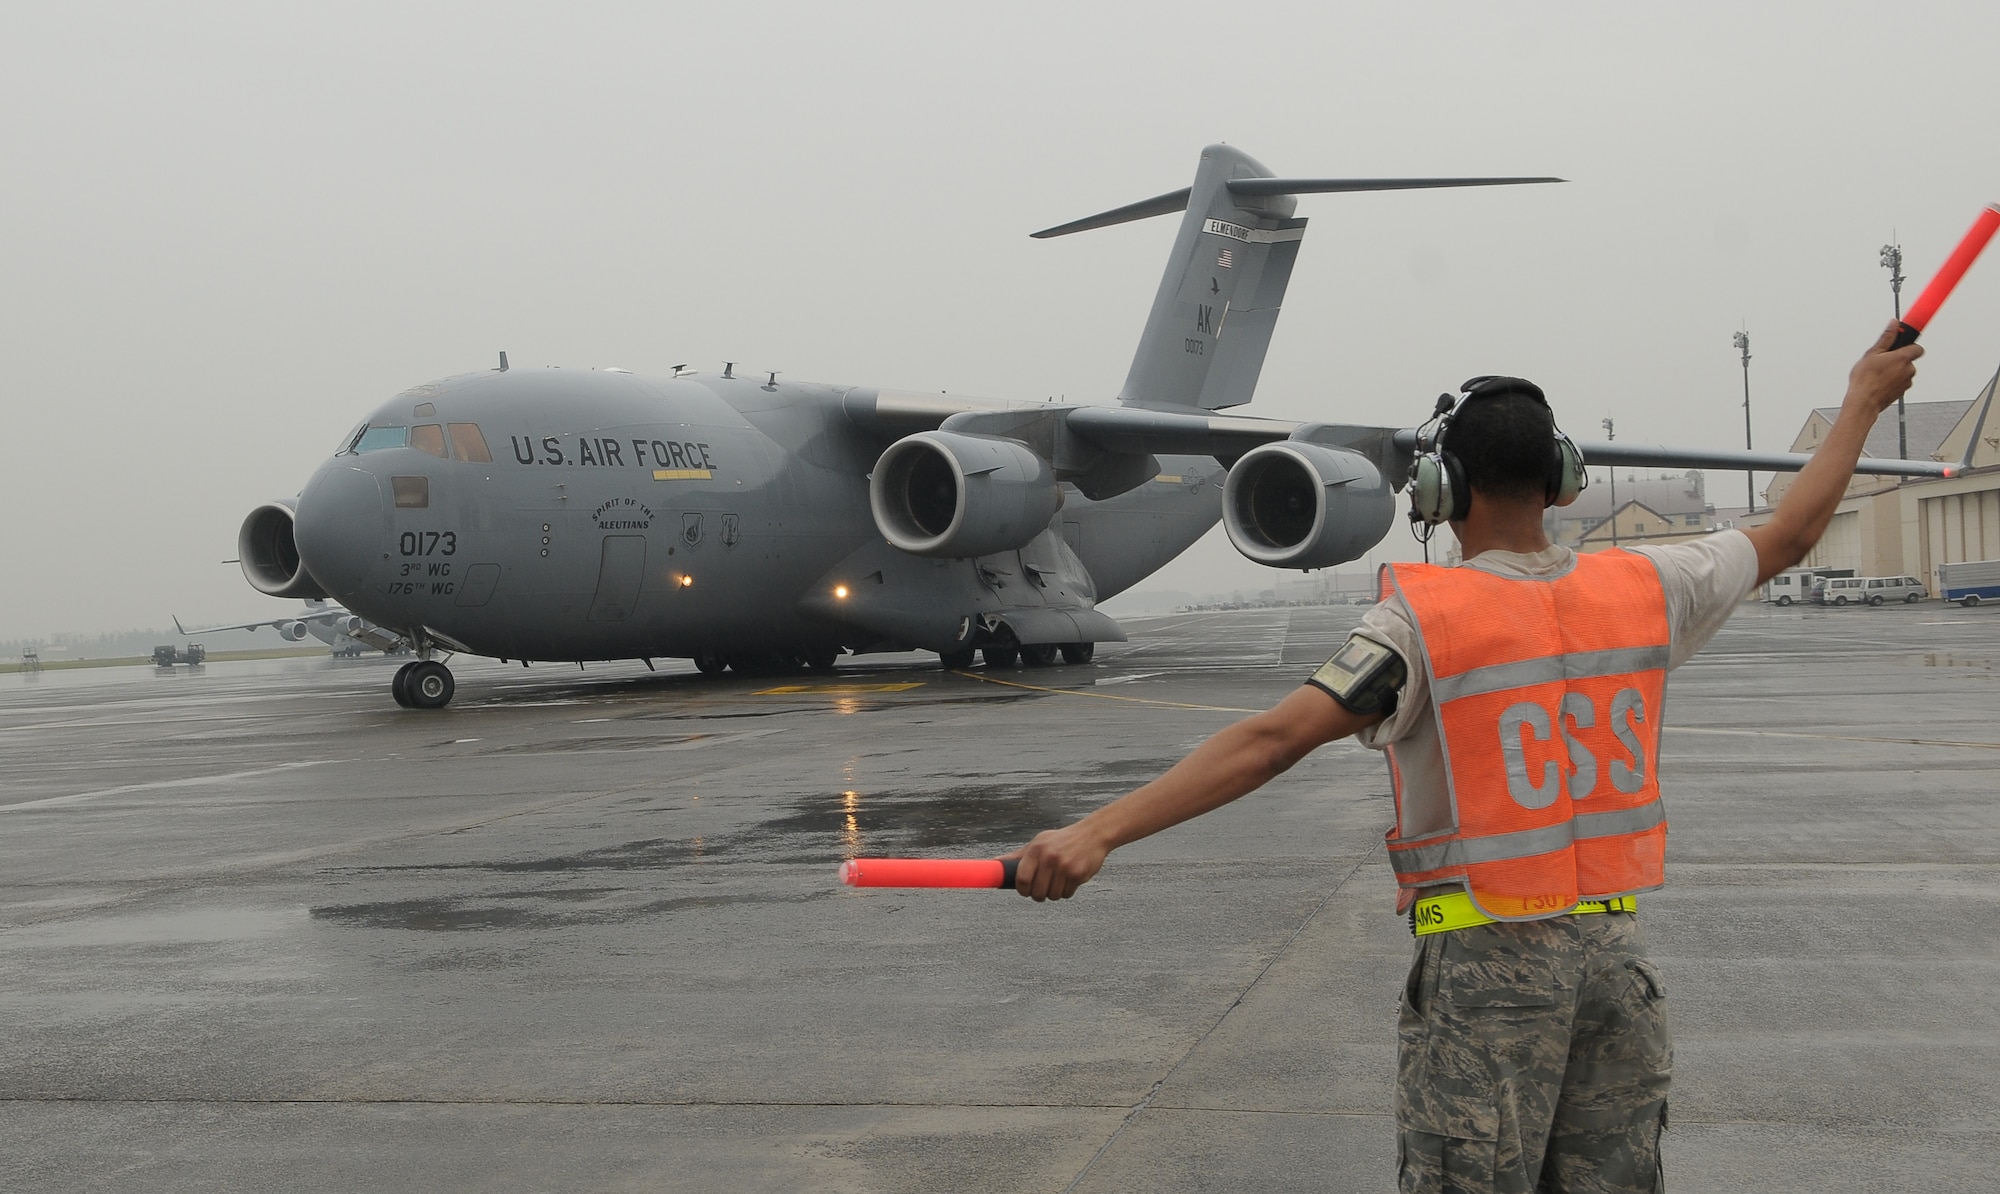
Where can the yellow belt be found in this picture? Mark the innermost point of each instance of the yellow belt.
(1455, 910)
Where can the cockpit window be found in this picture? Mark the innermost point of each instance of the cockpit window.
(374, 439)
(428, 438)
(348, 441)
(468, 444)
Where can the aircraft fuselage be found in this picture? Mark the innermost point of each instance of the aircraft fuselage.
(577, 515)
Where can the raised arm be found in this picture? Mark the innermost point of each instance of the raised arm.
(1234, 762)
(1873, 385)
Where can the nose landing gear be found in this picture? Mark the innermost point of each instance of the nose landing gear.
(424, 684)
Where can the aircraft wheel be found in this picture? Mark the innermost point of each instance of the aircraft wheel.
(429, 685)
(953, 661)
(821, 659)
(400, 686)
(1784, 599)
(1078, 652)
(1001, 656)
(709, 665)
(1875, 600)
(1038, 654)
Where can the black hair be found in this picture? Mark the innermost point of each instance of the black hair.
(1504, 444)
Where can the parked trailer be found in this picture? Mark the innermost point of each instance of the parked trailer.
(1971, 582)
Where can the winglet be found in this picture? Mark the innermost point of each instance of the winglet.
(177, 626)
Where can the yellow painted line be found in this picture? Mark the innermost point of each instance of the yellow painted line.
(1103, 696)
(804, 689)
(1835, 737)
(681, 474)
(1168, 478)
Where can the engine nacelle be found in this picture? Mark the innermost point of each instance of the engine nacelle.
(946, 493)
(292, 631)
(1301, 505)
(270, 555)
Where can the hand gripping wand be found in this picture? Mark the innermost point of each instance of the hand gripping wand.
(1948, 274)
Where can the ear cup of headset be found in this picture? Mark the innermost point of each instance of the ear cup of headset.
(1438, 492)
(1570, 477)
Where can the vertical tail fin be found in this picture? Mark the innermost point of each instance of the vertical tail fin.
(1211, 322)
(1212, 319)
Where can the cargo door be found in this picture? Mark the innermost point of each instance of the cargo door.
(621, 570)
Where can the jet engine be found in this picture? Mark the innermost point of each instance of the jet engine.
(1300, 505)
(946, 493)
(270, 555)
(292, 631)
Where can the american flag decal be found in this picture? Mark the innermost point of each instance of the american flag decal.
(1227, 260)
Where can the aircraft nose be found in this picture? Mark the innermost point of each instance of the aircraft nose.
(342, 523)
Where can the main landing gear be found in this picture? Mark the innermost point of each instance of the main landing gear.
(1012, 654)
(423, 684)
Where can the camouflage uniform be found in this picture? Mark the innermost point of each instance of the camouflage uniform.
(1534, 1056)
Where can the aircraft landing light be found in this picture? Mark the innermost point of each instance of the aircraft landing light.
(686, 582)
(840, 592)
(815, 689)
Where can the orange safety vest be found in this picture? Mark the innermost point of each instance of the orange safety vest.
(1548, 697)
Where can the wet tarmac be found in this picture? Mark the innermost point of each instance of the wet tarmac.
(261, 929)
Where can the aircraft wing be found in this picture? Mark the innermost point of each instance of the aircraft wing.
(329, 614)
(1659, 456)
(1139, 431)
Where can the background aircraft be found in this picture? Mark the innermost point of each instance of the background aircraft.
(344, 633)
(744, 522)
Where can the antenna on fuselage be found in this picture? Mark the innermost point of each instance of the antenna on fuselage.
(503, 362)
(677, 369)
(729, 369)
(773, 383)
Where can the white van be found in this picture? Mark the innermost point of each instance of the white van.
(1877, 589)
(1840, 590)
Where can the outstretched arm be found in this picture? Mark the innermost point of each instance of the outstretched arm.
(1236, 761)
(1876, 381)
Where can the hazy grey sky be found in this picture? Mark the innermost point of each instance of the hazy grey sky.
(231, 230)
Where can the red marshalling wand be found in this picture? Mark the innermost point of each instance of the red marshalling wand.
(928, 872)
(1954, 268)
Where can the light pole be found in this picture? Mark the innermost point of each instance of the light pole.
(1749, 478)
(1892, 260)
(1610, 435)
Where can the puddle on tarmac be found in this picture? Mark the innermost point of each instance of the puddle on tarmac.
(192, 927)
(657, 742)
(822, 830)
(523, 910)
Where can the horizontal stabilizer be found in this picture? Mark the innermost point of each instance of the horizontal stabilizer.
(1173, 201)
(1145, 209)
(1326, 186)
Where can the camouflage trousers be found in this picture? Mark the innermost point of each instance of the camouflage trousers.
(1533, 1057)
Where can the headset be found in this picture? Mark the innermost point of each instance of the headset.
(1438, 489)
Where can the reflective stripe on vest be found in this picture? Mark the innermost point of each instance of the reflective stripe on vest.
(1547, 694)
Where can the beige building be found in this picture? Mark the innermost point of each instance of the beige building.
(1889, 526)
(1669, 508)
(1636, 522)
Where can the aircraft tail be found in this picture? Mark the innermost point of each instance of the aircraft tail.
(1217, 305)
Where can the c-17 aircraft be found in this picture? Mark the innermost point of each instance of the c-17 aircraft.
(740, 521)
(341, 631)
